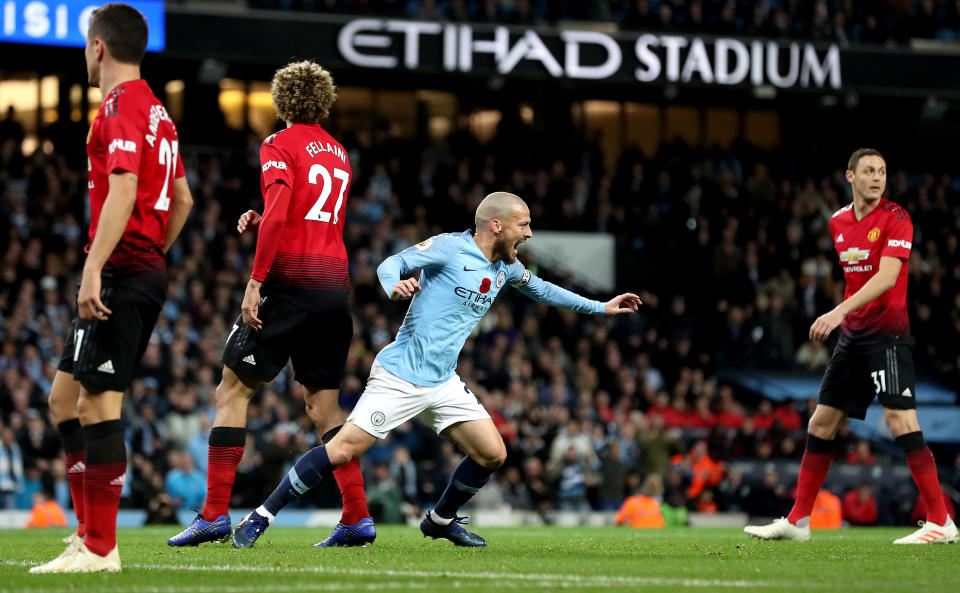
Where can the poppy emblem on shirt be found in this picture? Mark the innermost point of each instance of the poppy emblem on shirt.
(485, 285)
(874, 234)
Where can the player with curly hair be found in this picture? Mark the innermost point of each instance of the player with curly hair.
(295, 305)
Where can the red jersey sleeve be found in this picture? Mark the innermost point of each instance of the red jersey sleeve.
(179, 170)
(898, 239)
(122, 135)
(275, 165)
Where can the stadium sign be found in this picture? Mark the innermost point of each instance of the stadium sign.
(590, 55)
(65, 22)
(442, 51)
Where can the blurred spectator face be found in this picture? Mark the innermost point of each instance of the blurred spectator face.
(533, 468)
(401, 455)
(864, 493)
(770, 479)
(699, 450)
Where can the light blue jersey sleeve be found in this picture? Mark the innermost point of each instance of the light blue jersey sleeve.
(435, 251)
(550, 294)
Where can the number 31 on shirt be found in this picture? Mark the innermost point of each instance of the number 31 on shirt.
(320, 175)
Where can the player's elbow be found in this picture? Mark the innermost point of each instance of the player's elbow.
(181, 194)
(889, 281)
(184, 201)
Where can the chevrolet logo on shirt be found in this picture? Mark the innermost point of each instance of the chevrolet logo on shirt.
(854, 255)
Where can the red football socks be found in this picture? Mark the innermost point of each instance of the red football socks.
(350, 480)
(102, 484)
(106, 460)
(74, 445)
(923, 468)
(222, 465)
(76, 468)
(813, 471)
(224, 453)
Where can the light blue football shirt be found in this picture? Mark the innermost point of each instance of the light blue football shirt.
(458, 286)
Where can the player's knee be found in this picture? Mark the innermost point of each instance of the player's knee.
(230, 393)
(62, 405)
(88, 411)
(493, 458)
(900, 422)
(824, 425)
(339, 454)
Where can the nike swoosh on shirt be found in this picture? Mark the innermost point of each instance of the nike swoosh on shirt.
(466, 269)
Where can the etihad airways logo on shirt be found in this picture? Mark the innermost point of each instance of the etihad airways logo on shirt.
(899, 243)
(477, 300)
(275, 165)
(124, 145)
(854, 255)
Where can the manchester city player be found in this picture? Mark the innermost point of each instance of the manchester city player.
(461, 275)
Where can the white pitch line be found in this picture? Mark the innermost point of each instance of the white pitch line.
(547, 580)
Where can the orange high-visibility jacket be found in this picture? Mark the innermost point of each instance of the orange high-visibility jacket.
(640, 511)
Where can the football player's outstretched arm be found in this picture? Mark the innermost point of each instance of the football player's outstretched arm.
(179, 211)
(551, 294)
(121, 198)
(881, 282)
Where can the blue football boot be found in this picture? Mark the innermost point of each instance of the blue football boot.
(453, 532)
(361, 534)
(249, 528)
(200, 531)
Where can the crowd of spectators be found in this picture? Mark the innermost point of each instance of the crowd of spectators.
(591, 408)
(842, 21)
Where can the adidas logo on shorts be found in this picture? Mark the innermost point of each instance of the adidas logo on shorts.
(907, 393)
(106, 367)
(249, 359)
(119, 480)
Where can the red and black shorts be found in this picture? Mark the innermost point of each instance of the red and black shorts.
(316, 342)
(862, 370)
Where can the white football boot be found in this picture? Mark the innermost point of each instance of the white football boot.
(87, 561)
(74, 544)
(780, 529)
(931, 533)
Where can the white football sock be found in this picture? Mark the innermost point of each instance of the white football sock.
(438, 519)
(263, 512)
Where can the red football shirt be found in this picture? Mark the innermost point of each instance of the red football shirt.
(133, 133)
(310, 264)
(885, 231)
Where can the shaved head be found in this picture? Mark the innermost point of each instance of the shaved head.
(504, 219)
(499, 205)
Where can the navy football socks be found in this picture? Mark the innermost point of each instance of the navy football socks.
(466, 481)
(304, 475)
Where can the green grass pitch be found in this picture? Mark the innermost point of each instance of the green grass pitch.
(516, 559)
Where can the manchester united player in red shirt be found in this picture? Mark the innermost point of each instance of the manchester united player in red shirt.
(873, 358)
(295, 306)
(139, 201)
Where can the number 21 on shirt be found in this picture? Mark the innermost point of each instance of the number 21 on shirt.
(320, 175)
(168, 159)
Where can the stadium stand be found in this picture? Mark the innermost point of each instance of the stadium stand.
(589, 409)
